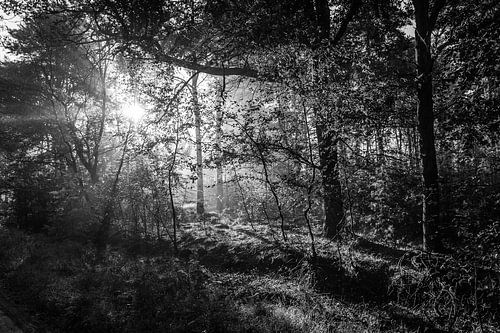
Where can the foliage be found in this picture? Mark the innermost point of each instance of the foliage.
(312, 123)
(458, 295)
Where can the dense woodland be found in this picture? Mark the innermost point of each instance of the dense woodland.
(250, 165)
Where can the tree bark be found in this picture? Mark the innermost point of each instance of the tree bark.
(200, 200)
(425, 113)
(332, 190)
(218, 143)
(326, 135)
(94, 174)
(171, 192)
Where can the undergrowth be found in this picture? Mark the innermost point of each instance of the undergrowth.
(227, 278)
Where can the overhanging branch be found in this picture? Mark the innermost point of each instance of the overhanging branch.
(211, 70)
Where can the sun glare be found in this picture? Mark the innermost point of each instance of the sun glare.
(133, 111)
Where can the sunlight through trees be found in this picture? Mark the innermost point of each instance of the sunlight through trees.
(170, 134)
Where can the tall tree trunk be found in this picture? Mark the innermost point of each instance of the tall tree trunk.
(327, 136)
(218, 143)
(220, 188)
(409, 146)
(171, 192)
(332, 190)
(94, 174)
(399, 140)
(431, 209)
(310, 188)
(200, 200)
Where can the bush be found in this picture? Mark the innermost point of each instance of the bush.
(455, 294)
(62, 286)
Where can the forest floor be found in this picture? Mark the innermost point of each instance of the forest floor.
(343, 289)
(226, 277)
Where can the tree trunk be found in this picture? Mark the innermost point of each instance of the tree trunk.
(218, 143)
(380, 147)
(220, 188)
(200, 201)
(409, 139)
(431, 209)
(171, 192)
(94, 174)
(332, 191)
(327, 135)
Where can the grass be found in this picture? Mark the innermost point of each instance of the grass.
(228, 277)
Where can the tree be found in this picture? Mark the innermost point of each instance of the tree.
(425, 19)
(307, 46)
(200, 37)
(73, 78)
(30, 165)
(221, 92)
(200, 200)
